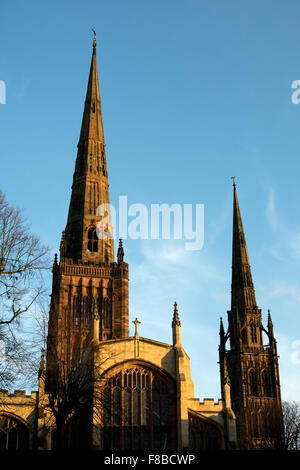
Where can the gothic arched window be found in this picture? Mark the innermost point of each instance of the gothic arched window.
(106, 314)
(244, 336)
(13, 434)
(253, 333)
(266, 385)
(203, 434)
(140, 410)
(86, 311)
(253, 383)
(92, 240)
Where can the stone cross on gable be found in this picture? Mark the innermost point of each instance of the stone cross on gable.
(136, 322)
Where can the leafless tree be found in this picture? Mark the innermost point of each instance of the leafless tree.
(75, 390)
(33, 337)
(23, 260)
(291, 421)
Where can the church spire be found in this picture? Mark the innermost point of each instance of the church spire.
(92, 125)
(242, 288)
(90, 196)
(248, 366)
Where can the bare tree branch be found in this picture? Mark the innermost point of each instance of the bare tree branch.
(72, 389)
(23, 260)
(291, 421)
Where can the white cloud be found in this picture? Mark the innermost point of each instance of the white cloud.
(294, 241)
(167, 273)
(200, 284)
(289, 371)
(271, 211)
(276, 289)
(285, 290)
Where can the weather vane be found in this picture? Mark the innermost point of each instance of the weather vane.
(233, 180)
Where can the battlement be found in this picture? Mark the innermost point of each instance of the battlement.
(211, 401)
(18, 394)
(207, 403)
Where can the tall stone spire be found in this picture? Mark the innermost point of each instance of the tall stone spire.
(90, 185)
(248, 366)
(242, 288)
(92, 125)
(89, 300)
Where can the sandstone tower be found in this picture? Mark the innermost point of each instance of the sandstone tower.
(87, 282)
(250, 367)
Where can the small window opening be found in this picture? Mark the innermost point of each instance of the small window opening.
(92, 240)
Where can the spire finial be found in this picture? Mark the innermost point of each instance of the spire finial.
(221, 325)
(269, 317)
(233, 181)
(176, 320)
(94, 41)
(120, 252)
(55, 262)
(176, 327)
(270, 325)
(62, 248)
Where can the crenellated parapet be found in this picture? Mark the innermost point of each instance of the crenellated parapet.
(18, 394)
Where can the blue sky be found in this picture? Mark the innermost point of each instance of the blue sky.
(193, 92)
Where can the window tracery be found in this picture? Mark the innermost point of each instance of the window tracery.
(140, 410)
(203, 434)
(92, 240)
(253, 383)
(13, 434)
